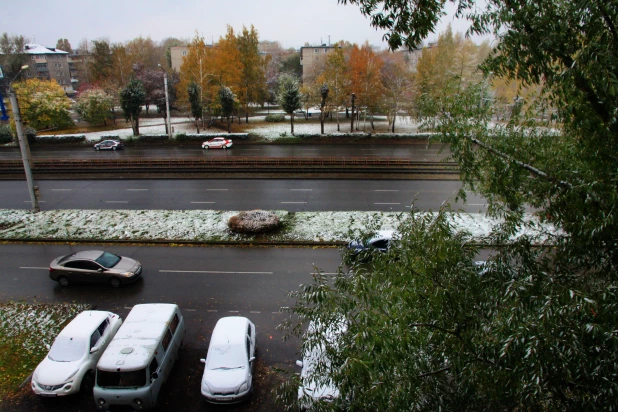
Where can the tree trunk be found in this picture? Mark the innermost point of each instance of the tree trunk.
(338, 124)
(247, 115)
(393, 129)
(292, 122)
(135, 126)
(228, 124)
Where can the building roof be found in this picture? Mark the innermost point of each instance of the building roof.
(137, 339)
(33, 48)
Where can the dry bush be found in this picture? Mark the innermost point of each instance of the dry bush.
(253, 222)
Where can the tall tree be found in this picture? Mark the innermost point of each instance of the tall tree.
(132, 99)
(398, 87)
(365, 78)
(43, 104)
(289, 96)
(336, 77)
(144, 51)
(535, 328)
(64, 45)
(253, 83)
(323, 98)
(195, 101)
(102, 63)
(12, 56)
(227, 104)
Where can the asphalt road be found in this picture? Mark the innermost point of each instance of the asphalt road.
(239, 194)
(417, 152)
(206, 282)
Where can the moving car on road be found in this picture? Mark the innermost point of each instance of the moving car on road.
(217, 143)
(228, 372)
(70, 364)
(91, 266)
(109, 145)
(381, 242)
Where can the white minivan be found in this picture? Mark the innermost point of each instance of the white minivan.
(140, 357)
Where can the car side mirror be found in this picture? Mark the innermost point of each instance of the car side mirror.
(95, 349)
(100, 270)
(203, 361)
(251, 359)
(299, 363)
(154, 375)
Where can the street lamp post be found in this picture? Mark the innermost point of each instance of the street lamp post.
(167, 104)
(352, 122)
(23, 143)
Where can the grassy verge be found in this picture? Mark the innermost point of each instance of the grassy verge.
(25, 329)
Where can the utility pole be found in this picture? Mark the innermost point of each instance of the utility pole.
(23, 144)
(352, 121)
(167, 105)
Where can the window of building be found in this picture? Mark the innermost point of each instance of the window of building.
(316, 50)
(184, 53)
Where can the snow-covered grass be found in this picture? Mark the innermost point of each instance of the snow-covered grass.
(25, 329)
(211, 225)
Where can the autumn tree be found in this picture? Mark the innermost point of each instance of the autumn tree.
(132, 99)
(64, 45)
(398, 84)
(227, 104)
(43, 104)
(152, 80)
(289, 96)
(94, 106)
(336, 77)
(365, 78)
(323, 98)
(253, 84)
(145, 52)
(227, 66)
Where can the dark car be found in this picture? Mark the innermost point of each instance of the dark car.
(109, 145)
(94, 266)
(382, 242)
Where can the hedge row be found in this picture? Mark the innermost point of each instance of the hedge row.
(368, 135)
(181, 137)
(62, 138)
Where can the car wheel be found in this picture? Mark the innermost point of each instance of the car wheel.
(113, 147)
(97, 148)
(64, 281)
(206, 147)
(224, 146)
(115, 282)
(87, 383)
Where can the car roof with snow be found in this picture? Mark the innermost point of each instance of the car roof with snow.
(86, 254)
(85, 323)
(137, 339)
(230, 330)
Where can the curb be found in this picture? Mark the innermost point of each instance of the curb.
(258, 243)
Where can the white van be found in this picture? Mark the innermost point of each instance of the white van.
(140, 357)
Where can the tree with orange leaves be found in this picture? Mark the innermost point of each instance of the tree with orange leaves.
(365, 78)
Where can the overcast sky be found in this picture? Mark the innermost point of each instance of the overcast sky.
(291, 22)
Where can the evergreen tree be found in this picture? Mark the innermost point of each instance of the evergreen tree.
(289, 96)
(132, 99)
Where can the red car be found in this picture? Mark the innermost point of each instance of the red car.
(217, 143)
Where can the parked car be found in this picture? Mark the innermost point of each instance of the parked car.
(217, 143)
(228, 371)
(310, 390)
(140, 358)
(91, 266)
(381, 242)
(109, 145)
(70, 365)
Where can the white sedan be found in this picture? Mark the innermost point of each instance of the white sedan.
(217, 143)
(69, 366)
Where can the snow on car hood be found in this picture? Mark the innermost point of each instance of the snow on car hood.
(223, 380)
(54, 373)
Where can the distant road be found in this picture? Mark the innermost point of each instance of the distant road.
(417, 152)
(239, 194)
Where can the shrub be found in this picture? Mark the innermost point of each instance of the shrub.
(275, 118)
(61, 138)
(30, 134)
(152, 138)
(253, 222)
(6, 134)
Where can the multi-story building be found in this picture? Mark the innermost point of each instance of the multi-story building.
(46, 63)
(313, 59)
(177, 54)
(78, 67)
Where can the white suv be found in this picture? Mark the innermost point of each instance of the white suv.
(70, 364)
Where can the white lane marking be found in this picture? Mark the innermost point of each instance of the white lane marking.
(302, 190)
(190, 310)
(128, 307)
(137, 190)
(61, 190)
(477, 204)
(254, 311)
(275, 312)
(116, 201)
(387, 203)
(324, 273)
(215, 272)
(212, 310)
(293, 202)
(33, 267)
(30, 201)
(233, 311)
(202, 203)
(386, 190)
(222, 190)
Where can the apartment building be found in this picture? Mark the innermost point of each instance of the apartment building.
(47, 63)
(177, 54)
(313, 59)
(78, 67)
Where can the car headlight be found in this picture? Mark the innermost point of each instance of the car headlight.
(127, 274)
(242, 387)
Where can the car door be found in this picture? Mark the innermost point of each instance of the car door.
(380, 245)
(77, 271)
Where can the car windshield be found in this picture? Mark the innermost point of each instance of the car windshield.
(226, 357)
(108, 260)
(68, 349)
